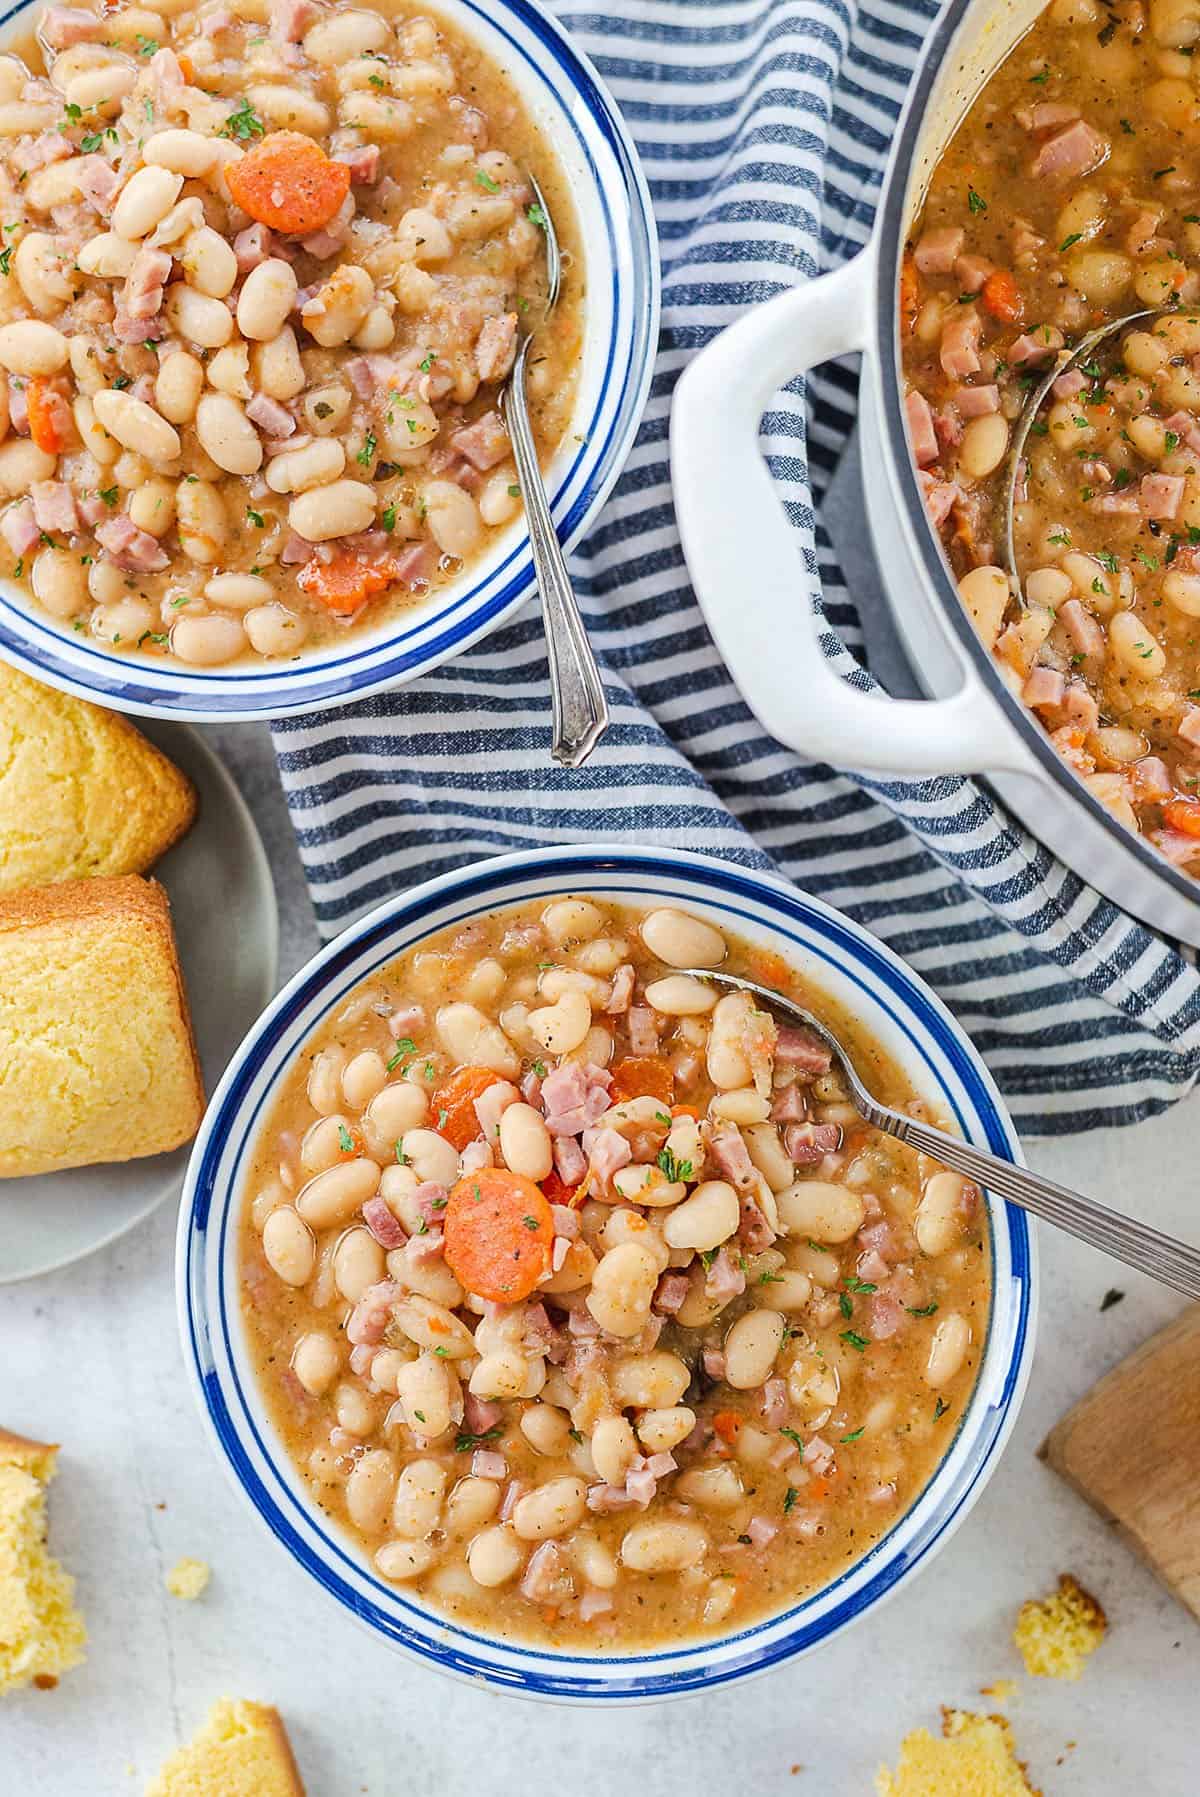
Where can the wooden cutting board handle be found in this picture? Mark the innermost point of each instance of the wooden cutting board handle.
(1131, 1447)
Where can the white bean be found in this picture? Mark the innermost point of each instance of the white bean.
(947, 1350)
(32, 348)
(682, 940)
(198, 317)
(370, 1489)
(363, 1078)
(178, 385)
(551, 1510)
(288, 1246)
(334, 1196)
(430, 1156)
(340, 509)
(661, 1430)
(357, 1264)
(654, 1381)
(727, 1059)
(500, 1375)
(184, 152)
(146, 197)
(471, 1502)
(706, 1219)
(274, 630)
(679, 996)
(390, 1114)
(562, 1026)
(316, 1361)
(22, 462)
(296, 470)
(207, 642)
(495, 1557)
(941, 1214)
(227, 435)
(751, 1348)
(453, 517)
(417, 1506)
(345, 35)
(663, 1545)
(402, 1560)
(135, 425)
(525, 1141)
(423, 1386)
(472, 1039)
(622, 1288)
(819, 1210)
(266, 300)
(712, 1487)
(237, 592)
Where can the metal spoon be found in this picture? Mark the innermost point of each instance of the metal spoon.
(580, 709)
(1066, 358)
(1171, 1262)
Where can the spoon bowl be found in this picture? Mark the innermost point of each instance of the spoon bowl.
(1164, 1258)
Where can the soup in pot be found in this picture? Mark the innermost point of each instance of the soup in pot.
(1069, 196)
(581, 1297)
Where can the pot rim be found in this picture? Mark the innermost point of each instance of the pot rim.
(890, 237)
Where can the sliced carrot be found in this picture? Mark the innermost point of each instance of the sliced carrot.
(499, 1233)
(818, 1488)
(344, 584)
(454, 1104)
(687, 1110)
(289, 183)
(728, 1425)
(642, 1076)
(1002, 297)
(187, 67)
(1183, 815)
(910, 295)
(50, 424)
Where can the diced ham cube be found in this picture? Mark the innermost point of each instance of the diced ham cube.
(484, 443)
(622, 991)
(54, 507)
(252, 246)
(383, 1224)
(977, 402)
(1073, 152)
(290, 19)
(20, 528)
(144, 283)
(1035, 346)
(570, 1162)
(64, 26)
(672, 1289)
(939, 496)
(921, 433)
(488, 1465)
(372, 1313)
(130, 547)
(808, 1143)
(270, 416)
(1045, 686)
(1082, 628)
(363, 163)
(1081, 706)
(972, 271)
(1069, 384)
(98, 181)
(1047, 115)
(1159, 495)
(958, 351)
(731, 1155)
(802, 1049)
(496, 347)
(643, 1030)
(937, 250)
(1188, 727)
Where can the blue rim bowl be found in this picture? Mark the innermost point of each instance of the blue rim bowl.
(582, 125)
(838, 956)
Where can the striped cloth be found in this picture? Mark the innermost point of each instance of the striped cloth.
(764, 126)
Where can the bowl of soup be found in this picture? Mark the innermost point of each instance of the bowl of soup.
(266, 272)
(554, 1310)
(1024, 207)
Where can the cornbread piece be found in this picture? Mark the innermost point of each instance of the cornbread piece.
(97, 1061)
(1056, 1634)
(188, 1578)
(82, 793)
(974, 1758)
(242, 1751)
(41, 1633)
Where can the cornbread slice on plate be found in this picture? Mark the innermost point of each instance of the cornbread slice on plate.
(1056, 1634)
(973, 1758)
(82, 793)
(41, 1632)
(97, 1061)
(242, 1751)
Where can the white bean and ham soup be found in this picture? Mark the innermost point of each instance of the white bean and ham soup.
(264, 268)
(1069, 197)
(581, 1297)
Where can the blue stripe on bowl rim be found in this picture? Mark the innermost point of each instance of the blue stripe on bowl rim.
(639, 875)
(570, 81)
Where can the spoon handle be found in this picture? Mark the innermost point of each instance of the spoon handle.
(1171, 1262)
(580, 708)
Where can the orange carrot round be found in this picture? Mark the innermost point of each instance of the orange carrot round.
(1002, 297)
(289, 183)
(728, 1425)
(499, 1232)
(1183, 815)
(50, 425)
(643, 1076)
(453, 1104)
(344, 584)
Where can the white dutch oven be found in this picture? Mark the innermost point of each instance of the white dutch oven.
(751, 581)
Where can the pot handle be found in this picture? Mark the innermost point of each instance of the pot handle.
(746, 565)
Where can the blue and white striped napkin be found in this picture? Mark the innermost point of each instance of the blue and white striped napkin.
(763, 126)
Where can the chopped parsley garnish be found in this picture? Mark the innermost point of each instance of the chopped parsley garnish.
(536, 215)
(467, 1443)
(109, 495)
(484, 180)
(146, 45)
(122, 381)
(345, 1139)
(5, 259)
(442, 1118)
(769, 1278)
(427, 364)
(1107, 560)
(389, 517)
(539, 1067)
(401, 1157)
(531, 1223)
(854, 1434)
(404, 1046)
(674, 1170)
(794, 1439)
(91, 143)
(367, 452)
(243, 122)
(854, 1340)
(940, 1409)
(255, 518)
(845, 1305)
(514, 491)
(789, 1499)
(921, 1310)
(1171, 441)
(975, 201)
(1067, 242)
(855, 1284)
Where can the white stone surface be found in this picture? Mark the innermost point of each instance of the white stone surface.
(90, 1358)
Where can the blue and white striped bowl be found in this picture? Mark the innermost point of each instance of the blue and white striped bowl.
(616, 226)
(852, 966)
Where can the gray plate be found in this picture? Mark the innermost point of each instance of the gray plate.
(223, 904)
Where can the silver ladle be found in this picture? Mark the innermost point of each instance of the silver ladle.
(1169, 1261)
(580, 708)
(1066, 358)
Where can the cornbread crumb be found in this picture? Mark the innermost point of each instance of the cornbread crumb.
(1056, 1634)
(242, 1751)
(188, 1578)
(41, 1632)
(1003, 1691)
(974, 1758)
(97, 1061)
(82, 793)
